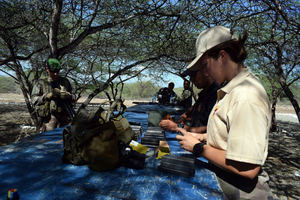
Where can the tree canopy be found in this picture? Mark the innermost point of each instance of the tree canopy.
(102, 44)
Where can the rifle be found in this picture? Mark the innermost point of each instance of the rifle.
(68, 108)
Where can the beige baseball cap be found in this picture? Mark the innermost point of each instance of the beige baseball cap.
(208, 39)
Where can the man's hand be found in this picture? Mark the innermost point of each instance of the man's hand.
(187, 140)
(65, 95)
(49, 96)
(56, 92)
(168, 125)
(200, 136)
(182, 118)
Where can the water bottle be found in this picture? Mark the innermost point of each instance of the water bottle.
(153, 99)
(13, 194)
(172, 99)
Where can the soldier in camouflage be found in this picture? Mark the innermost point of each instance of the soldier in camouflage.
(52, 98)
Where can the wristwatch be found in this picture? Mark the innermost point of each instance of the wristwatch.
(198, 149)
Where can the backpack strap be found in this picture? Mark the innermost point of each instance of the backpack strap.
(117, 105)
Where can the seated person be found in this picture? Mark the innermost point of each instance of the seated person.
(166, 95)
(186, 96)
(195, 120)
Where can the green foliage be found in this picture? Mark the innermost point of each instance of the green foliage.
(296, 90)
(8, 85)
(95, 42)
(139, 90)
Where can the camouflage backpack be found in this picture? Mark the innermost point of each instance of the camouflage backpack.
(94, 138)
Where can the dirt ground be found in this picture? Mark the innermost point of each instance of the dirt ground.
(18, 98)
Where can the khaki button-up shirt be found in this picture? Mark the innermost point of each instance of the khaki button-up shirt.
(240, 120)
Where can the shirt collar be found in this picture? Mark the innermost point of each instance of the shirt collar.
(233, 83)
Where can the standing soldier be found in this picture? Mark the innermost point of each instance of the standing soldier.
(52, 98)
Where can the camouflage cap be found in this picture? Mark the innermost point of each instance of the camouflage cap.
(53, 64)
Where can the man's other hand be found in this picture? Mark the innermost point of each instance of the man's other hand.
(186, 139)
(168, 125)
(49, 96)
(56, 92)
(65, 95)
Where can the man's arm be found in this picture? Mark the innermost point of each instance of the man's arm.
(200, 136)
(66, 91)
(182, 118)
(200, 129)
(218, 157)
(167, 124)
(37, 95)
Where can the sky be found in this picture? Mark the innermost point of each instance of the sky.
(175, 79)
(170, 77)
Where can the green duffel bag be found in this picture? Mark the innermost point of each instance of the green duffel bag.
(75, 137)
(94, 139)
(124, 131)
(72, 148)
(102, 151)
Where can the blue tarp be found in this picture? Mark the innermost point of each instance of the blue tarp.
(145, 108)
(34, 167)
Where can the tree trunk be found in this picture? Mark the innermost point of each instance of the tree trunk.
(273, 109)
(26, 95)
(291, 97)
(54, 27)
(283, 84)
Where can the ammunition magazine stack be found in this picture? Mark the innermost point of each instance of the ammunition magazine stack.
(156, 132)
(153, 136)
(179, 165)
(137, 129)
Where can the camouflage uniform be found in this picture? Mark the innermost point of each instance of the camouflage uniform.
(52, 112)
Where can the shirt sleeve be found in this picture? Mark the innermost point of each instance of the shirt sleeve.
(248, 133)
(68, 87)
(37, 96)
(185, 94)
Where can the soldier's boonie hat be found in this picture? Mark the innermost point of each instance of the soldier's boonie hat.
(53, 64)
